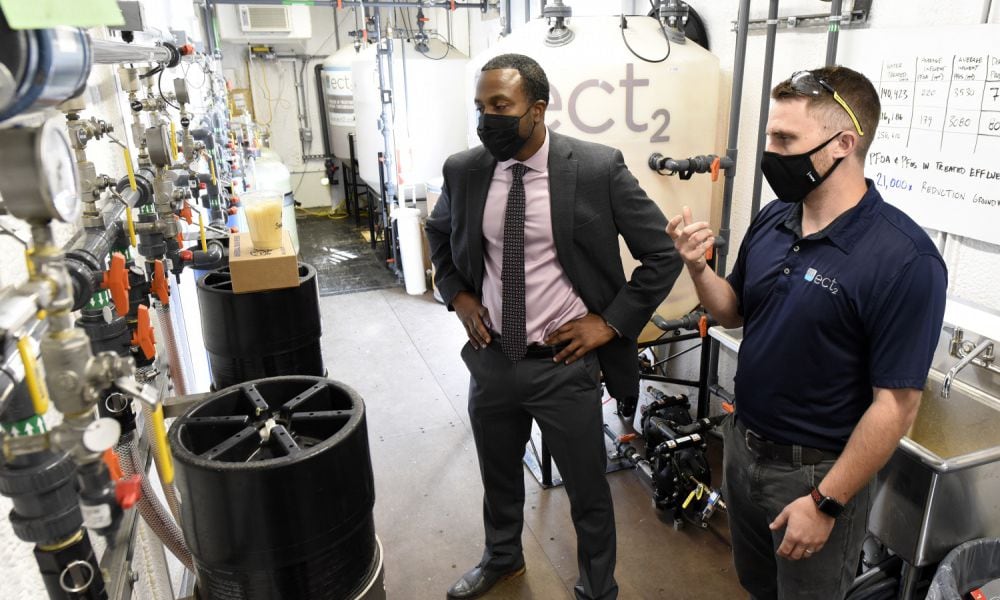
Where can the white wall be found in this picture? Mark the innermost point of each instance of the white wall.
(275, 102)
(970, 262)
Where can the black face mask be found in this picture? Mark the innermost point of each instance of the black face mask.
(793, 176)
(501, 136)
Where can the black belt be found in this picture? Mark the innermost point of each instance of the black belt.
(765, 448)
(543, 351)
(534, 350)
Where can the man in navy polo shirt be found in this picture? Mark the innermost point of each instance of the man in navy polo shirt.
(841, 298)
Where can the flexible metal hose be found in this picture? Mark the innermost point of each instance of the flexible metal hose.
(167, 334)
(153, 513)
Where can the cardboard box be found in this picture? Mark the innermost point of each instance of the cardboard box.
(258, 270)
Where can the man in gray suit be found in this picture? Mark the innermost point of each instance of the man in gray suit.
(524, 239)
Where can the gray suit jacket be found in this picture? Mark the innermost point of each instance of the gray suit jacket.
(594, 200)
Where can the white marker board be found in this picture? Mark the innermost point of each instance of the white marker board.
(936, 153)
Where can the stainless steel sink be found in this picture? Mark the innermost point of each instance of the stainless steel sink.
(942, 486)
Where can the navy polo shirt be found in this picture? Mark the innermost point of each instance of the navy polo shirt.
(828, 317)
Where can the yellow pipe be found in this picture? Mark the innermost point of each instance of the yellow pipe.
(161, 449)
(33, 377)
(131, 225)
(128, 167)
(29, 263)
(201, 228)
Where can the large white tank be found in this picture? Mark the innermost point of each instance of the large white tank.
(601, 92)
(338, 95)
(430, 110)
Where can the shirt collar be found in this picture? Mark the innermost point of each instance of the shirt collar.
(539, 161)
(847, 228)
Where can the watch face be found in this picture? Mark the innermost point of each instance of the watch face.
(59, 176)
(830, 506)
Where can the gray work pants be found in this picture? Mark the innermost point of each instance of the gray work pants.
(756, 490)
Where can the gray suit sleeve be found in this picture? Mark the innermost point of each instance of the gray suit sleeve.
(448, 280)
(642, 225)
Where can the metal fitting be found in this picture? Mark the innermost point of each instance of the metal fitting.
(557, 13)
(674, 17)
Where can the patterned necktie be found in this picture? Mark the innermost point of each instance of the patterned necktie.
(513, 338)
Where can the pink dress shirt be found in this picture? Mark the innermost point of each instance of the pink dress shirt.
(551, 301)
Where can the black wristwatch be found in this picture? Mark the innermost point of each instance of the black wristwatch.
(826, 504)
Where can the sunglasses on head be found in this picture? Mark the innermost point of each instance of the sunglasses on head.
(805, 82)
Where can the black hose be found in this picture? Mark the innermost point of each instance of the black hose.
(623, 25)
(323, 122)
(865, 585)
(883, 590)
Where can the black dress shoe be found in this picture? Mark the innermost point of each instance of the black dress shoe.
(478, 581)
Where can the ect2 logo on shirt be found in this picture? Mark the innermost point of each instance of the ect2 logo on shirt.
(827, 283)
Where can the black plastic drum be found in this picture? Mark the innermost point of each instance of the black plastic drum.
(277, 491)
(260, 334)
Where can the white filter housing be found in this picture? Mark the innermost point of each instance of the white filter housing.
(429, 104)
(601, 92)
(338, 97)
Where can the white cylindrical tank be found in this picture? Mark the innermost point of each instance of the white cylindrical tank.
(411, 249)
(338, 95)
(602, 92)
(429, 126)
(272, 174)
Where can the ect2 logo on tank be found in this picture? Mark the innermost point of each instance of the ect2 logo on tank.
(588, 99)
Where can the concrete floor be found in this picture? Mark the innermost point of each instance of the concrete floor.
(401, 353)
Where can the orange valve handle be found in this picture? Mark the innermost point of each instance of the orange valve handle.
(128, 491)
(628, 437)
(703, 325)
(710, 253)
(186, 213)
(159, 286)
(144, 338)
(715, 168)
(111, 461)
(116, 281)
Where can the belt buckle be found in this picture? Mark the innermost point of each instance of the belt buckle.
(755, 442)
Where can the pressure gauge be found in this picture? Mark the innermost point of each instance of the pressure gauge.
(61, 179)
(38, 176)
